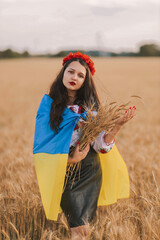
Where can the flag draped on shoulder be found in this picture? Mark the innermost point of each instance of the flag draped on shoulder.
(50, 153)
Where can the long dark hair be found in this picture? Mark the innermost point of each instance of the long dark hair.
(85, 96)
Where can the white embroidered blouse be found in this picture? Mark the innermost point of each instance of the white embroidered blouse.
(99, 144)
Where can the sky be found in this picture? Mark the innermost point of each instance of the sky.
(49, 26)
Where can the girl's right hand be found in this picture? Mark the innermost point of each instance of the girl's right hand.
(79, 155)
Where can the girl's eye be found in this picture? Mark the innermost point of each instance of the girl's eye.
(79, 75)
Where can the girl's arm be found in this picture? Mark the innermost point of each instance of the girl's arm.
(105, 141)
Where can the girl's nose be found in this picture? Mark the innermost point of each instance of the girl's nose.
(74, 76)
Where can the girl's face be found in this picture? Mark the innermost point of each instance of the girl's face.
(74, 77)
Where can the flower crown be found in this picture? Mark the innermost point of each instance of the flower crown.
(82, 56)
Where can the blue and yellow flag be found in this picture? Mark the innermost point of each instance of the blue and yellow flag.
(50, 152)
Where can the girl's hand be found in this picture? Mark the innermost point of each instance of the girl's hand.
(129, 114)
(78, 156)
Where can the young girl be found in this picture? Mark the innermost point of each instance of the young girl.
(73, 89)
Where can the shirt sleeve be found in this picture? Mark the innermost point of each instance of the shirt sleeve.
(100, 145)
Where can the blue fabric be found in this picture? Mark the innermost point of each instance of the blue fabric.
(45, 139)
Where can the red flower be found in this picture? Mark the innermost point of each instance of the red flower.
(102, 151)
(82, 56)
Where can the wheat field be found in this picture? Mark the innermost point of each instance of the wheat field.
(23, 82)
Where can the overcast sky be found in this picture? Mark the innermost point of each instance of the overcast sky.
(42, 26)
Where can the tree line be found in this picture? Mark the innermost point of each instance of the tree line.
(146, 50)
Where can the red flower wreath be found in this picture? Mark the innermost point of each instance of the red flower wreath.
(82, 56)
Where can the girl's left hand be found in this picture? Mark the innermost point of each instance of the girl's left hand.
(129, 114)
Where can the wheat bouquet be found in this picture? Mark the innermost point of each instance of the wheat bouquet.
(103, 120)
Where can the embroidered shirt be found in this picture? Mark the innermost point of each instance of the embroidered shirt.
(99, 144)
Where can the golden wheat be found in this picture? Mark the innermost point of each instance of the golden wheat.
(22, 85)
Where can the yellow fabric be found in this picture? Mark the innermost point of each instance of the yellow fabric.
(51, 169)
(115, 178)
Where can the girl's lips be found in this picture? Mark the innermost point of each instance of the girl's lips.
(72, 83)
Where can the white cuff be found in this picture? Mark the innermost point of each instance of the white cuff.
(100, 145)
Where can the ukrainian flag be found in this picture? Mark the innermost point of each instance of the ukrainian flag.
(50, 153)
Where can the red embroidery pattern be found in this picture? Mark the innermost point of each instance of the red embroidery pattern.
(102, 151)
(79, 110)
(72, 108)
(76, 127)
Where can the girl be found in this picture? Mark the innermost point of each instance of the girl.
(72, 92)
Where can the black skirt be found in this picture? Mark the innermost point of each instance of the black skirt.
(79, 198)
